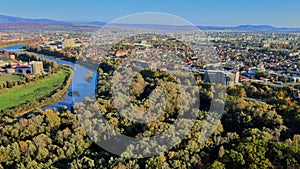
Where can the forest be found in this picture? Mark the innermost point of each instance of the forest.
(249, 134)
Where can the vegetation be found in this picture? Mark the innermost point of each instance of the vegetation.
(26, 93)
(35, 94)
(18, 42)
(249, 135)
(49, 52)
(11, 78)
(8, 81)
(90, 62)
(43, 140)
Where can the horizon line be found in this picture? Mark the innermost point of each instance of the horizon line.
(84, 21)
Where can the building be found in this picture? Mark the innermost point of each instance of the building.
(122, 53)
(237, 77)
(215, 76)
(261, 67)
(230, 78)
(164, 69)
(221, 77)
(145, 65)
(11, 57)
(142, 64)
(266, 45)
(36, 67)
(144, 44)
(59, 45)
(15, 64)
(68, 43)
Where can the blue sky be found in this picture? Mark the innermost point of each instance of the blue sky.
(277, 13)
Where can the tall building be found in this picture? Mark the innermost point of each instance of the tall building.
(236, 77)
(68, 43)
(215, 76)
(221, 77)
(36, 67)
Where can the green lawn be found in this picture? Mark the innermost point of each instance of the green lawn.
(34, 90)
(9, 78)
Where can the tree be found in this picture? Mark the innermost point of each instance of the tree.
(42, 154)
(233, 159)
(156, 162)
(9, 84)
(217, 165)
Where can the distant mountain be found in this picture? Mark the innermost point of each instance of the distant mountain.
(10, 23)
(94, 23)
(259, 28)
(255, 27)
(263, 28)
(11, 19)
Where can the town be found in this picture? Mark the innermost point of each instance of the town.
(259, 70)
(260, 57)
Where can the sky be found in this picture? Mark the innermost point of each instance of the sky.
(276, 13)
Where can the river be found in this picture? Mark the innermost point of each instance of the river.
(79, 84)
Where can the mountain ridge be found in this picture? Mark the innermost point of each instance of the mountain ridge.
(4, 19)
(12, 19)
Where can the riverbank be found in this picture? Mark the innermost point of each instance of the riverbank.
(58, 55)
(36, 95)
(79, 85)
(13, 44)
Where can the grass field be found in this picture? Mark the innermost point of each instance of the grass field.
(9, 78)
(34, 90)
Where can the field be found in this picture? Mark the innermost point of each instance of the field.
(34, 90)
(9, 78)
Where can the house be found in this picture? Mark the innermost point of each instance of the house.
(121, 53)
(230, 79)
(59, 45)
(249, 74)
(15, 64)
(11, 57)
(164, 69)
(144, 44)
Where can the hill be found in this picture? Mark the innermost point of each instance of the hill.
(19, 23)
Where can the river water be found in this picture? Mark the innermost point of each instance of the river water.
(79, 84)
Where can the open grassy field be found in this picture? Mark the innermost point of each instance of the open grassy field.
(34, 90)
(9, 78)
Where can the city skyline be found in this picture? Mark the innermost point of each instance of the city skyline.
(212, 13)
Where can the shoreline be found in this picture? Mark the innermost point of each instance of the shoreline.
(13, 44)
(11, 116)
(91, 65)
